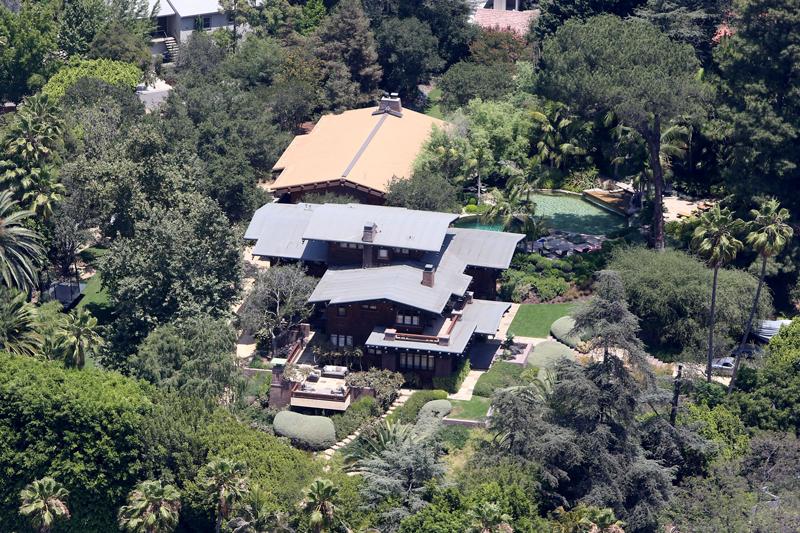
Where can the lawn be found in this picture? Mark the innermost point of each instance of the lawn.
(534, 320)
(502, 375)
(474, 409)
(434, 107)
(95, 298)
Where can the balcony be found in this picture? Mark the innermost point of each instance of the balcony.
(326, 393)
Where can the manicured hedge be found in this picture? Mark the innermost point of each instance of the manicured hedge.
(107, 70)
(356, 416)
(435, 409)
(307, 432)
(560, 329)
(407, 413)
(500, 376)
(545, 354)
(453, 382)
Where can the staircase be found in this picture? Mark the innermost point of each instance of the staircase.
(172, 49)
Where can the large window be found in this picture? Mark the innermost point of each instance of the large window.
(408, 318)
(342, 341)
(415, 361)
(369, 307)
(341, 310)
(383, 253)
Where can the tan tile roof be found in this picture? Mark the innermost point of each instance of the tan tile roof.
(356, 146)
(515, 21)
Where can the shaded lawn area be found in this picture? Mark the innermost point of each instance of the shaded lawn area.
(474, 409)
(95, 298)
(534, 320)
(434, 107)
(502, 375)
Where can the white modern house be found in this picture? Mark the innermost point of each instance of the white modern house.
(177, 19)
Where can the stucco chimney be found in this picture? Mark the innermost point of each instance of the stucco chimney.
(390, 104)
(369, 232)
(427, 275)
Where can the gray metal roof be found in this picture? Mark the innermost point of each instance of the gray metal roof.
(190, 8)
(481, 248)
(397, 283)
(278, 232)
(397, 227)
(480, 316)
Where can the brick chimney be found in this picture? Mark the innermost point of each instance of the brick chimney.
(370, 229)
(391, 104)
(427, 275)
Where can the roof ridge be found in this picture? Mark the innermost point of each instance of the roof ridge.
(364, 145)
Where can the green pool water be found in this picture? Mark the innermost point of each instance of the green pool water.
(565, 212)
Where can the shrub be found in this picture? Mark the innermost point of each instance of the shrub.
(107, 70)
(500, 376)
(385, 383)
(453, 437)
(356, 416)
(464, 81)
(407, 413)
(453, 382)
(307, 432)
(546, 353)
(561, 328)
(435, 409)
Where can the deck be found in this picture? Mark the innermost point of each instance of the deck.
(616, 201)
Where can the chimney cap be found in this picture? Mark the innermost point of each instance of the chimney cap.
(391, 104)
(428, 267)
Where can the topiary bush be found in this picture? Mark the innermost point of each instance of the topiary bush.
(407, 413)
(307, 432)
(453, 382)
(546, 353)
(561, 328)
(356, 416)
(502, 375)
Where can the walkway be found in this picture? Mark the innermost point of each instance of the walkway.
(465, 392)
(505, 322)
(402, 397)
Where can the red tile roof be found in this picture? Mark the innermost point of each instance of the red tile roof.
(516, 21)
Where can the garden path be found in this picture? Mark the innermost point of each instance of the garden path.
(468, 385)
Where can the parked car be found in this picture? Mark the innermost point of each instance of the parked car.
(722, 366)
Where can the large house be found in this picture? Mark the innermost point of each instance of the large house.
(355, 153)
(414, 292)
(504, 15)
(176, 20)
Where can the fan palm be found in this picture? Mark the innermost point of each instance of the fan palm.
(560, 136)
(489, 518)
(715, 241)
(20, 247)
(43, 502)
(152, 508)
(319, 502)
(768, 235)
(78, 339)
(256, 514)
(18, 324)
(226, 482)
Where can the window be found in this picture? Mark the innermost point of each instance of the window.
(407, 319)
(374, 351)
(341, 311)
(206, 23)
(415, 361)
(352, 245)
(383, 253)
(341, 341)
(369, 307)
(342, 245)
(403, 251)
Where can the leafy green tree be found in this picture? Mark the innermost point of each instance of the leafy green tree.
(118, 41)
(631, 68)
(489, 518)
(690, 21)
(193, 356)
(277, 302)
(716, 242)
(255, 513)
(226, 482)
(345, 46)
(20, 247)
(407, 51)
(312, 16)
(107, 70)
(465, 80)
(769, 233)
(493, 45)
(424, 192)
(29, 43)
(555, 13)
(755, 130)
(152, 508)
(18, 325)
(44, 502)
(79, 339)
(179, 262)
(80, 22)
(319, 503)
(560, 138)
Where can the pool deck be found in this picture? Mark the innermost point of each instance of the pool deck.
(616, 201)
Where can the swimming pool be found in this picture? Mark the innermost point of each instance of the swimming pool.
(566, 212)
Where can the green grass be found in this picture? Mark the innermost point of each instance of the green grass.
(258, 384)
(474, 409)
(434, 107)
(95, 300)
(502, 375)
(534, 320)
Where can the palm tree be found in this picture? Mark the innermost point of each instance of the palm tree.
(489, 518)
(715, 241)
(256, 514)
(19, 333)
(20, 247)
(560, 136)
(78, 339)
(226, 482)
(768, 235)
(371, 444)
(43, 502)
(152, 508)
(319, 502)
